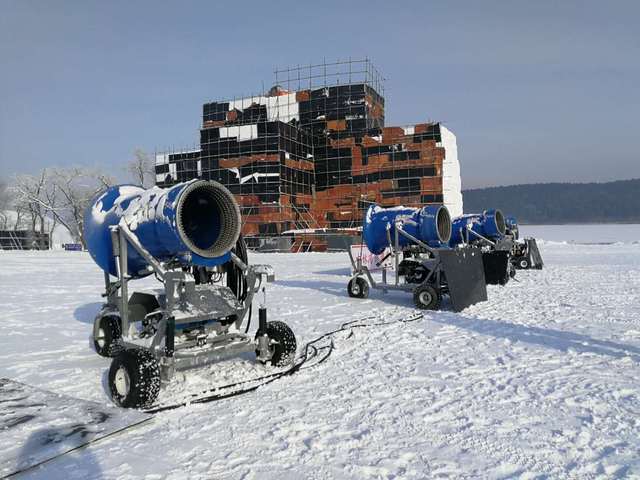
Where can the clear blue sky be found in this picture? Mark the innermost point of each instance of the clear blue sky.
(535, 91)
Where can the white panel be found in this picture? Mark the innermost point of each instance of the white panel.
(451, 181)
(279, 107)
(235, 171)
(256, 176)
(162, 158)
(283, 107)
(242, 132)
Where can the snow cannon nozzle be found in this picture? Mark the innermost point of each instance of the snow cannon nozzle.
(490, 224)
(430, 224)
(208, 219)
(198, 220)
(496, 219)
(511, 227)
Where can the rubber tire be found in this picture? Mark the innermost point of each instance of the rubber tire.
(433, 303)
(144, 378)
(358, 288)
(418, 278)
(110, 325)
(285, 350)
(523, 263)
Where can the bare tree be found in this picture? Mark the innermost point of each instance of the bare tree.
(28, 202)
(75, 188)
(141, 169)
(4, 205)
(63, 194)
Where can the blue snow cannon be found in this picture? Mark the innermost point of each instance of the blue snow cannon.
(416, 241)
(188, 235)
(197, 222)
(489, 231)
(430, 224)
(489, 224)
(511, 226)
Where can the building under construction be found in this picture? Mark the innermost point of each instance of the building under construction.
(313, 152)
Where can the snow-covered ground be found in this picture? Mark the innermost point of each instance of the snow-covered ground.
(541, 381)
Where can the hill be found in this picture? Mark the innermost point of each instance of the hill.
(613, 202)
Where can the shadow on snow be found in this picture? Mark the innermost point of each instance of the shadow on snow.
(546, 337)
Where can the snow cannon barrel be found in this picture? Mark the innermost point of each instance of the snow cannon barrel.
(511, 227)
(430, 224)
(490, 224)
(196, 222)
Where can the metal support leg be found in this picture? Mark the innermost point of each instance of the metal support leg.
(170, 337)
(124, 291)
(107, 283)
(262, 320)
(395, 256)
(167, 362)
(263, 340)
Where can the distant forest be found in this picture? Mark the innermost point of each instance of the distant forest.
(561, 202)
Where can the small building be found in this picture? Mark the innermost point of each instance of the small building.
(24, 240)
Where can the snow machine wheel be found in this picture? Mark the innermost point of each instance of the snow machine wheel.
(134, 378)
(524, 263)
(426, 297)
(284, 347)
(107, 342)
(358, 288)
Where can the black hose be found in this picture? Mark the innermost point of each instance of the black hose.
(310, 352)
(236, 279)
(246, 330)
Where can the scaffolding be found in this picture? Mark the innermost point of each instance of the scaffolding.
(312, 153)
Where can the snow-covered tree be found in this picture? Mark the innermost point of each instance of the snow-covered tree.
(61, 194)
(30, 190)
(4, 205)
(75, 187)
(141, 169)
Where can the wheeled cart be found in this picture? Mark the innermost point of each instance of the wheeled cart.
(196, 318)
(428, 273)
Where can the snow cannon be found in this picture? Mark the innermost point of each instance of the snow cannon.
(524, 253)
(489, 225)
(430, 224)
(197, 222)
(423, 263)
(188, 236)
(511, 227)
(487, 230)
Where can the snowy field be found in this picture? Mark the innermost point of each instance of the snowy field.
(541, 381)
(584, 234)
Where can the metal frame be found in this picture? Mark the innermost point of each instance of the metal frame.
(456, 272)
(521, 250)
(182, 303)
(433, 265)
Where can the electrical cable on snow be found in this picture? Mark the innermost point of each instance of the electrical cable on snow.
(310, 352)
(79, 447)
